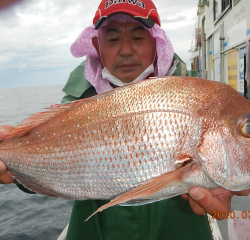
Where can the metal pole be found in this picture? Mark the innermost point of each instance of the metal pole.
(248, 63)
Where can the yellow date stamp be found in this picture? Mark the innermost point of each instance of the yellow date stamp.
(230, 215)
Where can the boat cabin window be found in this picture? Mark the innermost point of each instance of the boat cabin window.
(220, 8)
(235, 2)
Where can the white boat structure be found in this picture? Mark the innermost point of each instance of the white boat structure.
(64, 233)
(219, 47)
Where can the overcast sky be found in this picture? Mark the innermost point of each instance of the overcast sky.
(36, 36)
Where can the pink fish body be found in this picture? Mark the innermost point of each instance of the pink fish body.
(136, 144)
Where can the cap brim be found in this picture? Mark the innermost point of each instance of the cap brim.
(99, 22)
(147, 22)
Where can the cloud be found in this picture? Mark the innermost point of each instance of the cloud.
(173, 19)
(36, 36)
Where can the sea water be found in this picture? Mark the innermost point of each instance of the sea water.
(29, 216)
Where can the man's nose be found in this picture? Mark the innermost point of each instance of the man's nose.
(126, 48)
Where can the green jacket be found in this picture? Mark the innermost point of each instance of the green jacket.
(170, 219)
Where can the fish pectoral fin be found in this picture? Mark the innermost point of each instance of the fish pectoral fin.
(140, 202)
(137, 202)
(147, 188)
(182, 160)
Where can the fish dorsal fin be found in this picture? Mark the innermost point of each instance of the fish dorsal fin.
(148, 188)
(39, 118)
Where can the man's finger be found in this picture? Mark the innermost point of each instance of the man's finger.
(185, 197)
(2, 167)
(4, 130)
(197, 209)
(6, 178)
(209, 202)
(242, 193)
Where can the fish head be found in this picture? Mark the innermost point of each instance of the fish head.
(224, 153)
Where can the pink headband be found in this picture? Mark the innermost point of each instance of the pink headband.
(93, 68)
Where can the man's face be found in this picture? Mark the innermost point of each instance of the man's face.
(126, 48)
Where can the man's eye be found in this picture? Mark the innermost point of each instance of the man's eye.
(138, 38)
(113, 39)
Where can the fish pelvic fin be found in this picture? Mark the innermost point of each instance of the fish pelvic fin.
(39, 118)
(31, 184)
(148, 187)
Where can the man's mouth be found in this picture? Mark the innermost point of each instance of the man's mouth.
(127, 66)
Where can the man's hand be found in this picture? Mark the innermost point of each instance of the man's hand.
(204, 201)
(5, 176)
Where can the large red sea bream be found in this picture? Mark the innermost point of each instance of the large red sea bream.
(136, 144)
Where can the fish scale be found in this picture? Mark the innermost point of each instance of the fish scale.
(144, 142)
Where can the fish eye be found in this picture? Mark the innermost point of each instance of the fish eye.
(245, 126)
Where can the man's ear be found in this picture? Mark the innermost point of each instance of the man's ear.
(96, 45)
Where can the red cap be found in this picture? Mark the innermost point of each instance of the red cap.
(142, 10)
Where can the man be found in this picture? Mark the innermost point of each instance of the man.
(126, 44)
